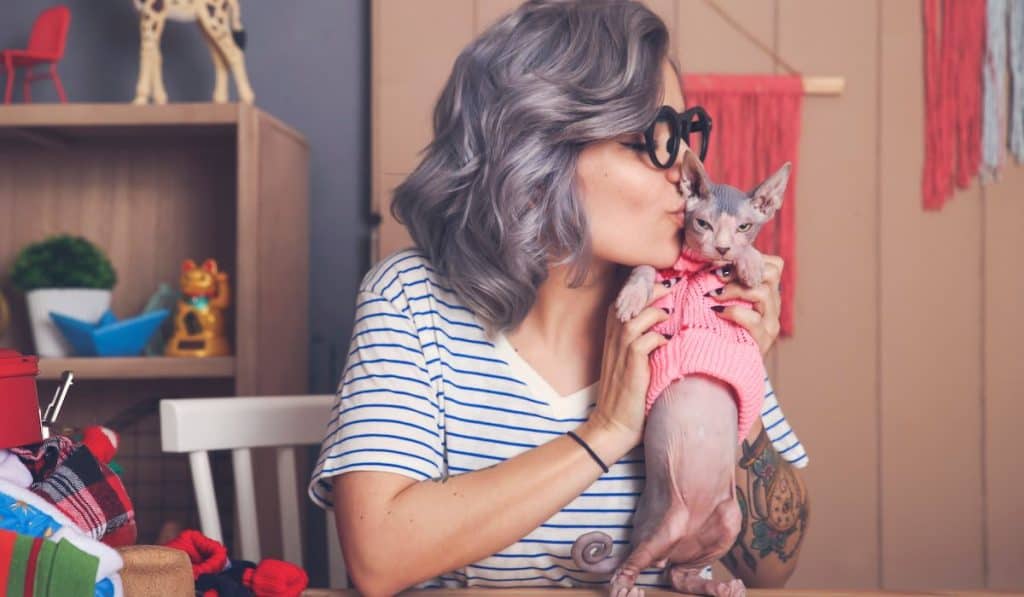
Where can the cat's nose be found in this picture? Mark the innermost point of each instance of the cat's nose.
(722, 250)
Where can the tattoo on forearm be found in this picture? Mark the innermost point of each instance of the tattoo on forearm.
(773, 507)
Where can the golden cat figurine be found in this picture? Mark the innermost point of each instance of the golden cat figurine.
(199, 326)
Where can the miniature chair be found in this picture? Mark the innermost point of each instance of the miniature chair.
(45, 46)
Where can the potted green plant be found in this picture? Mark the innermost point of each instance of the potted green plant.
(64, 274)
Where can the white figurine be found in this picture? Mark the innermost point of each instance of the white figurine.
(224, 40)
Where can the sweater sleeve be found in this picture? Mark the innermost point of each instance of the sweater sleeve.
(386, 417)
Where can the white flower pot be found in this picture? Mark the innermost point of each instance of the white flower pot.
(87, 304)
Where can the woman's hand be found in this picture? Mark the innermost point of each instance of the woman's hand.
(625, 375)
(762, 321)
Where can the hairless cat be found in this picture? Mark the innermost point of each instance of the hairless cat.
(707, 386)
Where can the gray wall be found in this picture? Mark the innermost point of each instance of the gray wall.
(308, 62)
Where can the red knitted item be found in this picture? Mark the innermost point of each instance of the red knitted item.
(101, 441)
(757, 122)
(207, 556)
(274, 578)
(953, 83)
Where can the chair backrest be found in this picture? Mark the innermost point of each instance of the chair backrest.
(50, 32)
(197, 426)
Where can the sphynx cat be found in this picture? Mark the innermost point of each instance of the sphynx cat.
(688, 516)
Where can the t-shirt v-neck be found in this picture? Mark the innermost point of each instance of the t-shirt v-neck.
(573, 406)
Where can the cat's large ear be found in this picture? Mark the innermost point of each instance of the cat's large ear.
(766, 198)
(694, 180)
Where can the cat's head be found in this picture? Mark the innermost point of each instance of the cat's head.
(199, 280)
(722, 221)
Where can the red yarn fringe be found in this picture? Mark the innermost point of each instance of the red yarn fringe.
(953, 84)
(756, 129)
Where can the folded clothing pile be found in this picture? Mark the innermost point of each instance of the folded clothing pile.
(44, 554)
(75, 479)
(61, 510)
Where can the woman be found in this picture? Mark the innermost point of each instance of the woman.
(448, 462)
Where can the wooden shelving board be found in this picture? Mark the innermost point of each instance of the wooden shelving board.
(137, 367)
(46, 123)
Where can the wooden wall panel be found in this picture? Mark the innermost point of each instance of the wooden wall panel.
(707, 43)
(930, 306)
(414, 45)
(486, 12)
(1003, 292)
(828, 373)
(900, 378)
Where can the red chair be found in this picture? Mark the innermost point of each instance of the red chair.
(45, 45)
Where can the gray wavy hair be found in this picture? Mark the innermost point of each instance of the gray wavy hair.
(493, 203)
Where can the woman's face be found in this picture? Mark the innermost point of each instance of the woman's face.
(635, 209)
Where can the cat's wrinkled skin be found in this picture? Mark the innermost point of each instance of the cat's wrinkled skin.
(688, 516)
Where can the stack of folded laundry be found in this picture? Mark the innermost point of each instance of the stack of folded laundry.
(62, 512)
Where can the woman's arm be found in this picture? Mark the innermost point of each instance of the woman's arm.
(775, 508)
(396, 532)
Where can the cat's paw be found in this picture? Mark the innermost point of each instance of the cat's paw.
(750, 269)
(632, 299)
(732, 588)
(623, 584)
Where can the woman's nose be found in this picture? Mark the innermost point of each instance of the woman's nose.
(674, 173)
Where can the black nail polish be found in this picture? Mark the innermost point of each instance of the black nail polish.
(718, 308)
(665, 309)
(667, 336)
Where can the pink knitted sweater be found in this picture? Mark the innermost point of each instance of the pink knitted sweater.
(702, 342)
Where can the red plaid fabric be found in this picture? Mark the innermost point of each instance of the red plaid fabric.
(84, 489)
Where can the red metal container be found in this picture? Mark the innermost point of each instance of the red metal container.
(19, 401)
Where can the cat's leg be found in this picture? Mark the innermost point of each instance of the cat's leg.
(636, 293)
(750, 267)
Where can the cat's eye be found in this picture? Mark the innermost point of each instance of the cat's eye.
(703, 224)
(745, 227)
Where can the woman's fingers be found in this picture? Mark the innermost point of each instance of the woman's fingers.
(764, 330)
(760, 297)
(659, 291)
(636, 327)
(642, 347)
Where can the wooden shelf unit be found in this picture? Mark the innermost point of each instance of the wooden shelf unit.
(138, 368)
(153, 185)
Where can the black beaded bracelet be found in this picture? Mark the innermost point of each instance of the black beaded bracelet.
(590, 451)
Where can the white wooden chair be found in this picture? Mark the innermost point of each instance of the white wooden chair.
(198, 425)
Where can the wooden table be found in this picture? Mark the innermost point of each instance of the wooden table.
(523, 592)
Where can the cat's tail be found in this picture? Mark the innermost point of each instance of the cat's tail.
(592, 553)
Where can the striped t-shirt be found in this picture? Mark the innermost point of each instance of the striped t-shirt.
(428, 391)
